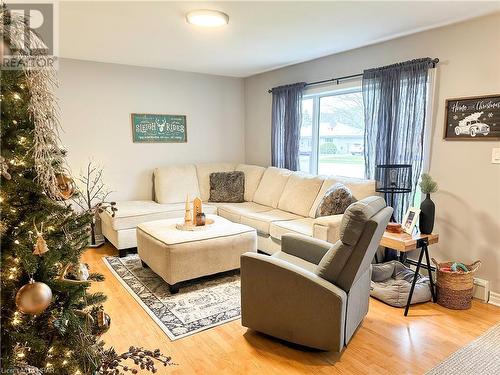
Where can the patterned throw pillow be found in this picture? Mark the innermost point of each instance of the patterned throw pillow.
(227, 187)
(335, 201)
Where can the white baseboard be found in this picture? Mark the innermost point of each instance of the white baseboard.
(481, 289)
(494, 299)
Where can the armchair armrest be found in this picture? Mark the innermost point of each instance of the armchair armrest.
(327, 227)
(291, 303)
(304, 247)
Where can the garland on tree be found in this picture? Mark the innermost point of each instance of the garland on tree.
(49, 321)
(41, 103)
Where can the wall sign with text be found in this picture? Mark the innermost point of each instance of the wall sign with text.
(473, 118)
(156, 128)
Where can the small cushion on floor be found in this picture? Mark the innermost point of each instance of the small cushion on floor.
(391, 283)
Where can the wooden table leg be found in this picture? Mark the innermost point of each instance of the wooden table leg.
(415, 277)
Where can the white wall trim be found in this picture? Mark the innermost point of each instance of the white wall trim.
(494, 299)
(481, 289)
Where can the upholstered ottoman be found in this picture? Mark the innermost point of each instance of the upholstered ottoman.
(178, 255)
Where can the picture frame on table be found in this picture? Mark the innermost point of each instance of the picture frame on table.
(410, 220)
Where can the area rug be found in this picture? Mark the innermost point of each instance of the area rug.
(200, 304)
(481, 356)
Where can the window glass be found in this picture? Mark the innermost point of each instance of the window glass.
(306, 131)
(332, 141)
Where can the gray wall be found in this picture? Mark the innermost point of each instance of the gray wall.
(468, 203)
(96, 101)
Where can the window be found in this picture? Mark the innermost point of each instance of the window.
(332, 134)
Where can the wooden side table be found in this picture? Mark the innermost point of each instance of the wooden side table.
(403, 243)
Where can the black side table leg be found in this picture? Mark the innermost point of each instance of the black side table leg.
(414, 281)
(429, 270)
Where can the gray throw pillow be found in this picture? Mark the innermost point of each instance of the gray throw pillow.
(335, 201)
(227, 187)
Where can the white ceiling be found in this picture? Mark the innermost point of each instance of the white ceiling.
(260, 36)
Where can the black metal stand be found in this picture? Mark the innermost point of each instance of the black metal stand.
(423, 245)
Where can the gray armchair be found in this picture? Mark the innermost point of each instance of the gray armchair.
(314, 293)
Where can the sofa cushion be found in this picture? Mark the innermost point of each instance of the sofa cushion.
(360, 189)
(233, 211)
(262, 220)
(132, 213)
(327, 228)
(335, 201)
(173, 183)
(300, 226)
(203, 172)
(299, 193)
(253, 175)
(227, 187)
(271, 186)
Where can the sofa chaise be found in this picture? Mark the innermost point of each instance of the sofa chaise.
(277, 201)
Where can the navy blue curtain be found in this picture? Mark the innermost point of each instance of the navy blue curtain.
(285, 125)
(395, 99)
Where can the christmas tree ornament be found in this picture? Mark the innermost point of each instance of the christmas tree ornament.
(78, 271)
(100, 321)
(69, 275)
(33, 298)
(4, 168)
(40, 247)
(66, 186)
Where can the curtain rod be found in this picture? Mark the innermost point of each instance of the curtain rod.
(344, 78)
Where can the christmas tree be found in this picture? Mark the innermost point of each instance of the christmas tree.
(41, 239)
(51, 322)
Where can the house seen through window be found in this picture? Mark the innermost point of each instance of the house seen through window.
(332, 134)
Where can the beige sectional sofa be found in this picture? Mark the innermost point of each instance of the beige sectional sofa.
(277, 201)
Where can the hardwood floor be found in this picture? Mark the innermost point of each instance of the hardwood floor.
(386, 343)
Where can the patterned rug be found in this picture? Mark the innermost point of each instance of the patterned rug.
(481, 356)
(200, 304)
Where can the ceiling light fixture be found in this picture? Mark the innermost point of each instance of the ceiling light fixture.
(207, 18)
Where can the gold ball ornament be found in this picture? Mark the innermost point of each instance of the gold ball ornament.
(33, 298)
(66, 186)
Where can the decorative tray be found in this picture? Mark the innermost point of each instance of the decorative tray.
(192, 227)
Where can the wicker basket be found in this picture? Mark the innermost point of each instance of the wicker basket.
(454, 289)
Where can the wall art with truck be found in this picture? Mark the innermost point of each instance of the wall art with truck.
(473, 118)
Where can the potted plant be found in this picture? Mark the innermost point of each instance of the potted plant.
(92, 197)
(427, 207)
